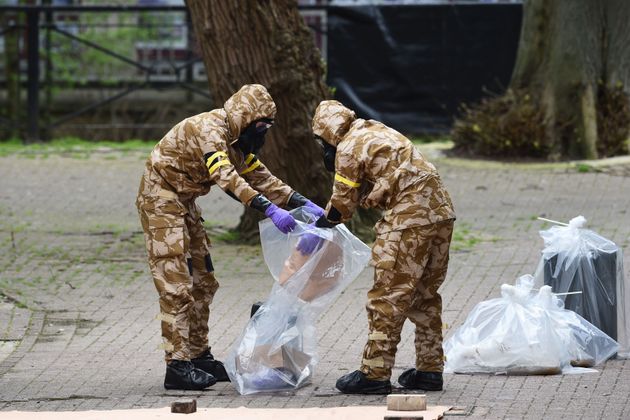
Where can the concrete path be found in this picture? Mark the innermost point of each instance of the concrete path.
(77, 316)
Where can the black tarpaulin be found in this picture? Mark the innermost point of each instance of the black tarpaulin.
(411, 66)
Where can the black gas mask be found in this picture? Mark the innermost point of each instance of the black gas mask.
(328, 153)
(252, 138)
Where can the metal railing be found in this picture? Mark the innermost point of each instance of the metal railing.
(33, 27)
(41, 22)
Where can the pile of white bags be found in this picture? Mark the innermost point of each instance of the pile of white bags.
(278, 349)
(527, 332)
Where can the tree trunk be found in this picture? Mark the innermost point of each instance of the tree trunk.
(573, 62)
(560, 61)
(267, 42)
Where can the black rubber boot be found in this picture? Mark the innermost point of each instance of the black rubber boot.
(357, 383)
(417, 379)
(215, 368)
(181, 374)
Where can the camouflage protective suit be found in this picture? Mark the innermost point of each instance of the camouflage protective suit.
(377, 167)
(193, 156)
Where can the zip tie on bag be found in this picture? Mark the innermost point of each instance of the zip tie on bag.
(552, 221)
(564, 293)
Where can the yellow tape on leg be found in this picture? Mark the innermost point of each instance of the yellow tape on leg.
(168, 318)
(377, 362)
(167, 346)
(378, 336)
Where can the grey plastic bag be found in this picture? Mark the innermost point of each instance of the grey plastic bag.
(586, 270)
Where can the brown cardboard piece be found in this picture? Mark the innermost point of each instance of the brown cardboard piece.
(241, 413)
(407, 402)
(285, 357)
(322, 280)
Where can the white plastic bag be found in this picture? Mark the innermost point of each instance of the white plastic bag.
(586, 269)
(524, 332)
(278, 348)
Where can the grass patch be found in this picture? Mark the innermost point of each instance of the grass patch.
(17, 303)
(230, 236)
(585, 168)
(424, 139)
(465, 239)
(75, 147)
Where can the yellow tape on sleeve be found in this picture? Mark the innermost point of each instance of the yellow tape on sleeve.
(347, 181)
(250, 157)
(251, 168)
(213, 157)
(219, 163)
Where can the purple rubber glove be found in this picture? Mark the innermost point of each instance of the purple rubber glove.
(314, 208)
(281, 218)
(269, 379)
(309, 242)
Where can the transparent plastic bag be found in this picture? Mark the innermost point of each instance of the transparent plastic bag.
(586, 270)
(525, 333)
(277, 351)
(584, 344)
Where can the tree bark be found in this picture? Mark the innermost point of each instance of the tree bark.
(573, 61)
(560, 60)
(267, 42)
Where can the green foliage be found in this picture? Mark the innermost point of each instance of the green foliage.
(76, 63)
(613, 120)
(511, 126)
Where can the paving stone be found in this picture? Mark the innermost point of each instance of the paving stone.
(71, 252)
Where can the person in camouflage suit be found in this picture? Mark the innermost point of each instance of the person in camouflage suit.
(377, 167)
(217, 147)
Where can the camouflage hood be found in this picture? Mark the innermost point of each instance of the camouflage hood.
(332, 121)
(249, 104)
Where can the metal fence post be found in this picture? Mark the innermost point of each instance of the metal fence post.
(190, 44)
(32, 111)
(48, 77)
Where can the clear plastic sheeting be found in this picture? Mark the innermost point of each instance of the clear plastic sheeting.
(586, 270)
(278, 348)
(526, 332)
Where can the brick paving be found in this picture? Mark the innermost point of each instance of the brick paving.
(77, 327)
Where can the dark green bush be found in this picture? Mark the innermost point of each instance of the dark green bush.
(510, 126)
(613, 121)
(513, 126)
